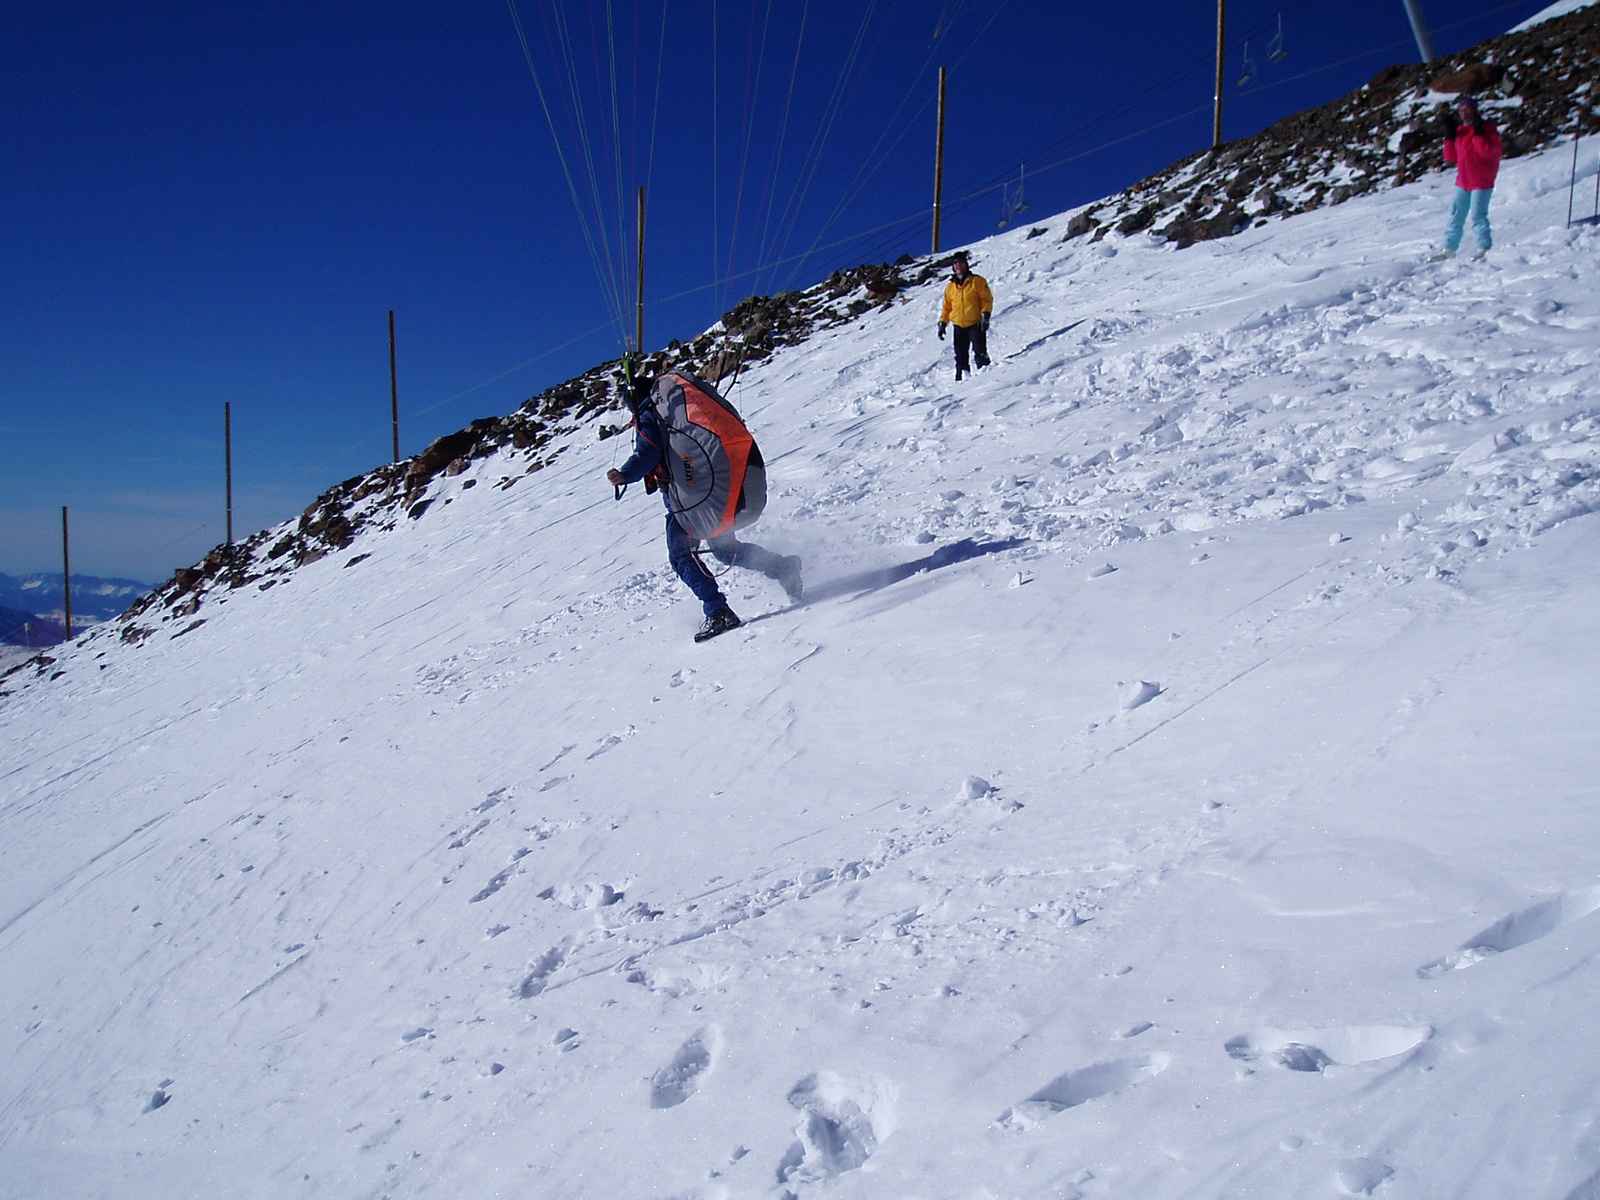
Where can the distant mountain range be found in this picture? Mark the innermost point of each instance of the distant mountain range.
(34, 601)
(18, 628)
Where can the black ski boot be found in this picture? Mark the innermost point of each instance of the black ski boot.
(789, 579)
(720, 621)
(959, 374)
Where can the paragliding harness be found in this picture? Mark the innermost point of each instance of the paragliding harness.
(711, 468)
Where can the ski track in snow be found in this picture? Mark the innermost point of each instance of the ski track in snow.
(1157, 876)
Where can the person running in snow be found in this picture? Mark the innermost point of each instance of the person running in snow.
(649, 464)
(968, 303)
(1475, 149)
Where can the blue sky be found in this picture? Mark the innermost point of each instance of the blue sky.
(208, 204)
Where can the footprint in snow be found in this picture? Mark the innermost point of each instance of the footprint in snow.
(1358, 1176)
(538, 976)
(842, 1123)
(159, 1098)
(1081, 1086)
(496, 797)
(1313, 1050)
(1520, 928)
(1138, 693)
(499, 881)
(679, 1079)
(1101, 571)
(610, 742)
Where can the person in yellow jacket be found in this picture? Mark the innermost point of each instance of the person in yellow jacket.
(967, 303)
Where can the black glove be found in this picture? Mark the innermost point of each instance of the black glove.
(941, 331)
(986, 322)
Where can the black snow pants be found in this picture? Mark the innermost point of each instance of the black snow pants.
(971, 335)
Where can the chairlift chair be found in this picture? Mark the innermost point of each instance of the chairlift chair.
(1249, 71)
(1275, 50)
(1013, 203)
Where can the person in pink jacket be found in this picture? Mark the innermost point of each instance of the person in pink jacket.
(1475, 149)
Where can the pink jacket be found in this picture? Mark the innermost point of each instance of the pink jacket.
(1477, 156)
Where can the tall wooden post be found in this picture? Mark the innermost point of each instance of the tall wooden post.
(1216, 118)
(394, 390)
(938, 165)
(66, 571)
(638, 337)
(1572, 188)
(227, 466)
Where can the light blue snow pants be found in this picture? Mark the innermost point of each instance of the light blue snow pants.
(1475, 203)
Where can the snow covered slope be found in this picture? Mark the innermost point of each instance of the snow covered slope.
(1559, 9)
(1182, 782)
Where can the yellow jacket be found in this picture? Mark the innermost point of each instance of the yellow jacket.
(966, 302)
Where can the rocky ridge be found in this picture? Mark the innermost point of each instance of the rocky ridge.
(1536, 85)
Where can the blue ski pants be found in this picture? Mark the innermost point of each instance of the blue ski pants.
(1476, 205)
(728, 550)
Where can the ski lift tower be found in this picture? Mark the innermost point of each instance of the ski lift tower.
(1419, 29)
(1216, 117)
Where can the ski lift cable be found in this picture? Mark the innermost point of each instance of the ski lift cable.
(973, 197)
(977, 194)
(575, 340)
(1344, 62)
(873, 158)
(1135, 97)
(815, 248)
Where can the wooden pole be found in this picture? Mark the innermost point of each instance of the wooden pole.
(938, 165)
(394, 391)
(1216, 118)
(1573, 186)
(66, 571)
(227, 460)
(638, 337)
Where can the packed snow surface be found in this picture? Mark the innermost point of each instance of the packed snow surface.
(1559, 9)
(1181, 781)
